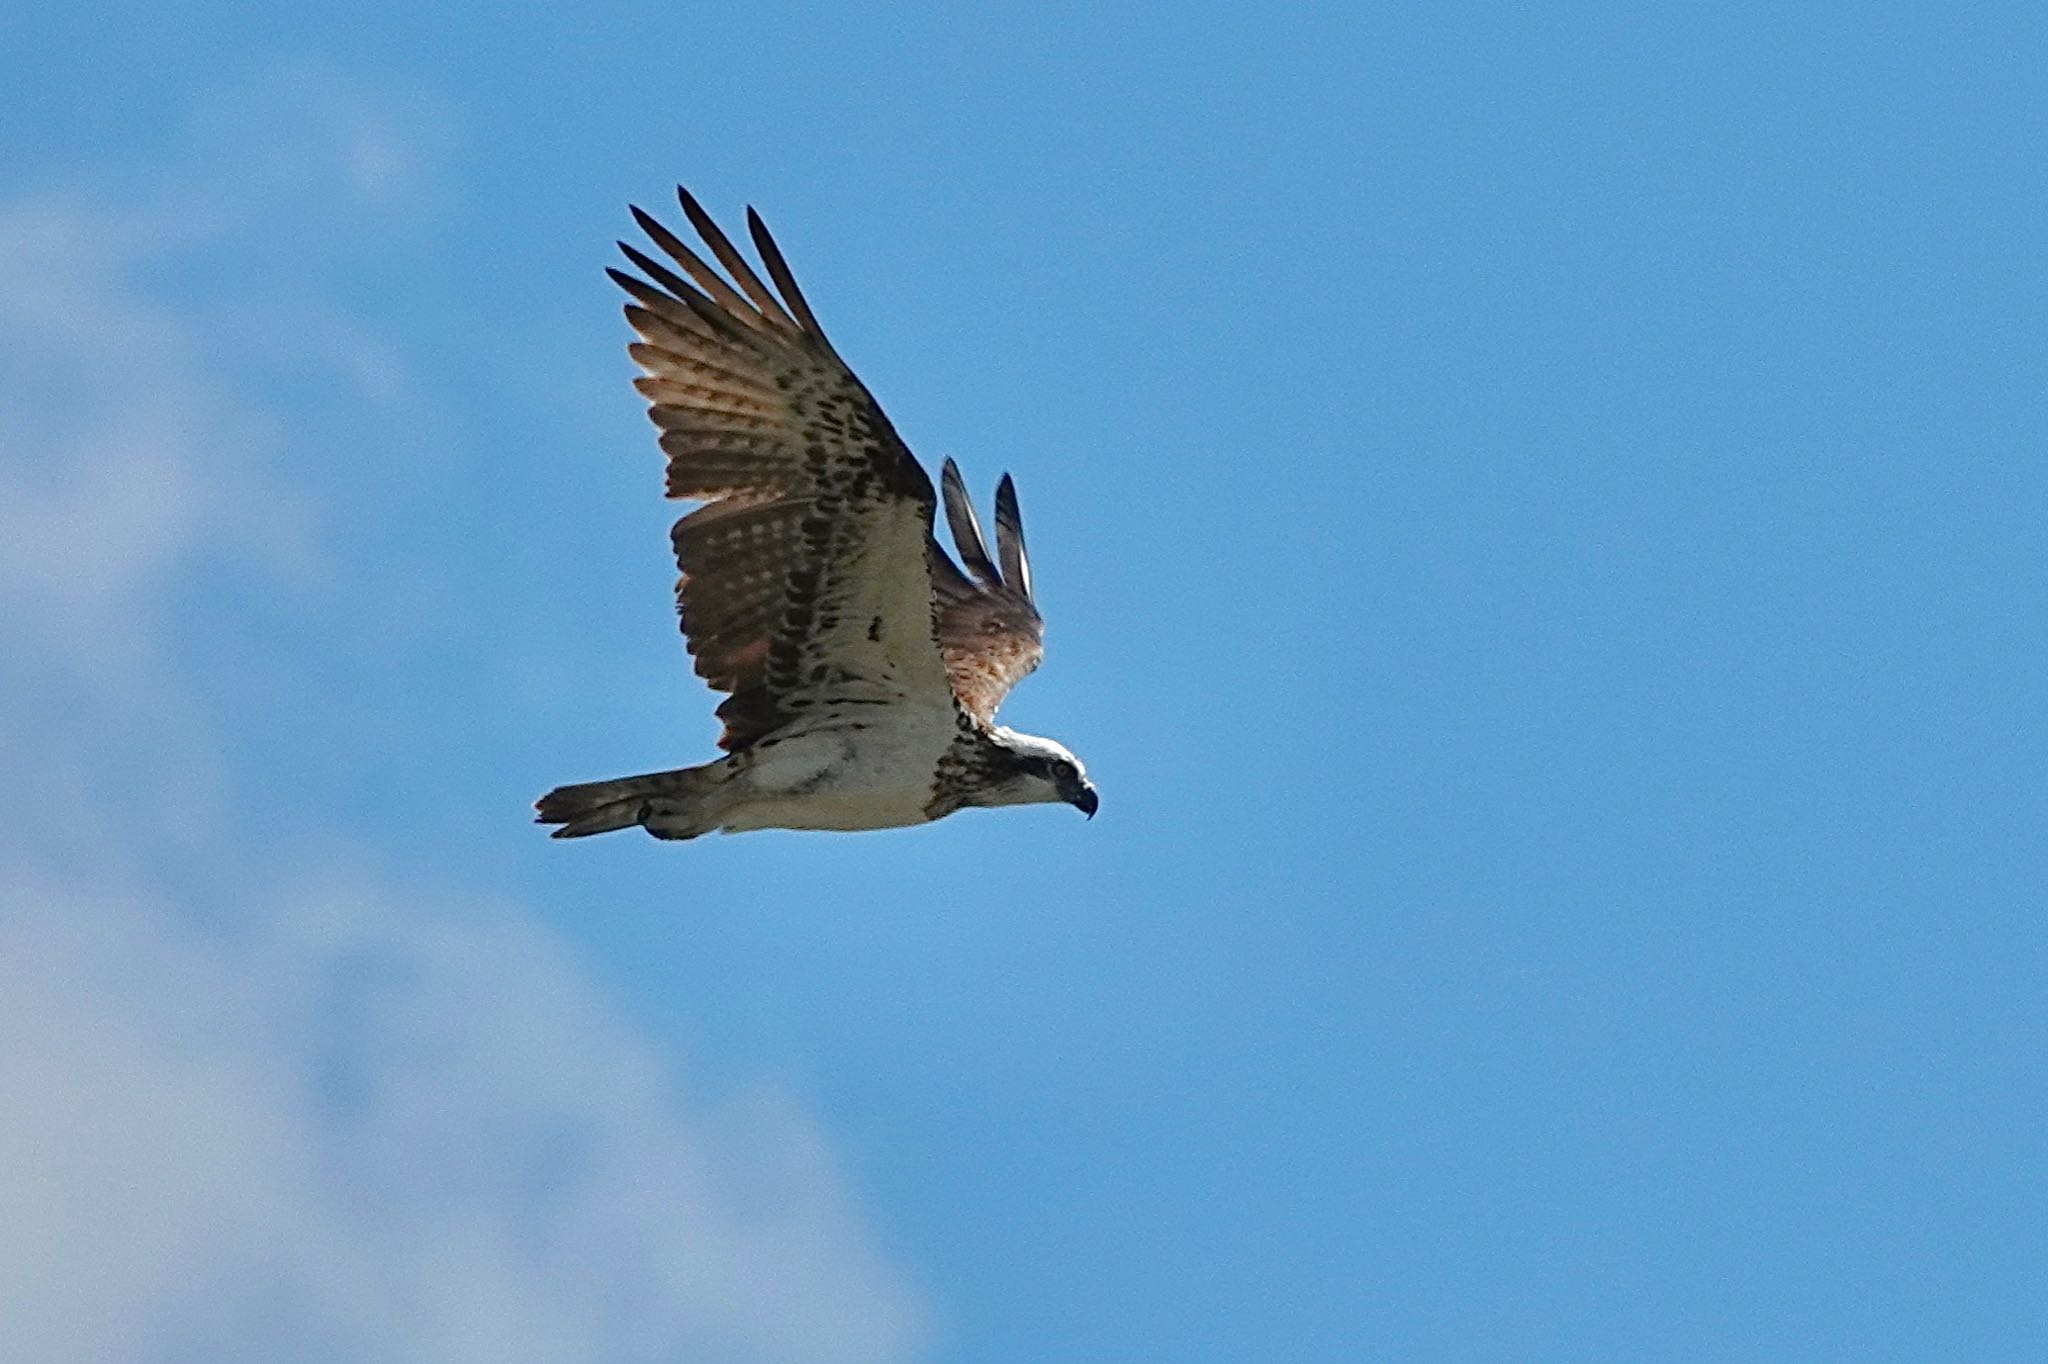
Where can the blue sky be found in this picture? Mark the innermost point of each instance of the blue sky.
(1541, 521)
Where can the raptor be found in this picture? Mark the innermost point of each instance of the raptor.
(863, 666)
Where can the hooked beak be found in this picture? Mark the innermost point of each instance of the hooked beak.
(1083, 799)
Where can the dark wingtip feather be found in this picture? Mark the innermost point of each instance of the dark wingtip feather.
(709, 280)
(722, 322)
(692, 210)
(735, 264)
(656, 271)
(1010, 538)
(784, 277)
(967, 536)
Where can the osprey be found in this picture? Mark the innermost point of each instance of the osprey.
(864, 666)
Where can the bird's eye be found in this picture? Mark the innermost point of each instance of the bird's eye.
(1062, 770)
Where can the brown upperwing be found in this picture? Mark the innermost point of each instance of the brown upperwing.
(989, 627)
(808, 577)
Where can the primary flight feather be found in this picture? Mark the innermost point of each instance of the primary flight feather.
(863, 666)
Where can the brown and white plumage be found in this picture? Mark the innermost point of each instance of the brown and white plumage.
(989, 630)
(863, 666)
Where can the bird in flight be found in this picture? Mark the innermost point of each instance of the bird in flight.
(863, 666)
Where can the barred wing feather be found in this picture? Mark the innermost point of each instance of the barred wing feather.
(807, 577)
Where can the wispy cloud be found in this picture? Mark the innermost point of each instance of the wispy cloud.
(294, 1113)
(120, 454)
(127, 452)
(355, 1123)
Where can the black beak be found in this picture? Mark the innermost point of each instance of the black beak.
(1084, 801)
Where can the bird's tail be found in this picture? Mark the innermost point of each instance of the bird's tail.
(669, 804)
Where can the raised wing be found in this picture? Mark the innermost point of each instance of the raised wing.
(989, 628)
(805, 579)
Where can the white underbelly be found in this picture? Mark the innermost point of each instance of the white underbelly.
(848, 811)
(876, 777)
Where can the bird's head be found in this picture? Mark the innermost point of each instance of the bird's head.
(1039, 772)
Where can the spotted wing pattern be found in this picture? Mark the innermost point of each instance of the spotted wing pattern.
(807, 578)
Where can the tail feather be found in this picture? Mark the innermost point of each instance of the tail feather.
(667, 803)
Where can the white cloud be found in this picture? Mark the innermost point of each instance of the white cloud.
(125, 453)
(118, 455)
(123, 463)
(315, 1117)
(371, 1126)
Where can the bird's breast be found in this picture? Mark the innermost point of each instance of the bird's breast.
(846, 774)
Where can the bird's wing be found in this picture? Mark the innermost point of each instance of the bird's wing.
(990, 631)
(806, 577)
